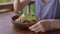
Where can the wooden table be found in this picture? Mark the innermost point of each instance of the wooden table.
(6, 27)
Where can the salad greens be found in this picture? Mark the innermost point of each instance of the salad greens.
(28, 17)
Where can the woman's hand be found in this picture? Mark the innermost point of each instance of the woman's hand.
(19, 5)
(44, 25)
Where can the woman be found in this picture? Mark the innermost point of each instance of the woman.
(47, 10)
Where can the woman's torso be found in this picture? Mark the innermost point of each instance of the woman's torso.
(48, 10)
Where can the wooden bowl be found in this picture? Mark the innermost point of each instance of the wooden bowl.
(21, 25)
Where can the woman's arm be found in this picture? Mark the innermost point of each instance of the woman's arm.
(45, 25)
(19, 4)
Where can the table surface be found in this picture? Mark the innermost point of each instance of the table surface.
(6, 27)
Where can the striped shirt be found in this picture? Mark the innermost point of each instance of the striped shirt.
(48, 10)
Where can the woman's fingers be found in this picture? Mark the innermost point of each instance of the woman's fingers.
(34, 26)
(42, 26)
(37, 27)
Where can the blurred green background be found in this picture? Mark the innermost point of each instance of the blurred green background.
(2, 1)
(24, 10)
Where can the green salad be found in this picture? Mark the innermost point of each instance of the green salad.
(28, 18)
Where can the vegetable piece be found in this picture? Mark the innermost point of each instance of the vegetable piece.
(28, 17)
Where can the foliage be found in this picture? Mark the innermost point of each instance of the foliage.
(2, 1)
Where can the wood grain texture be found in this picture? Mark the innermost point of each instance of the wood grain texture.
(6, 27)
